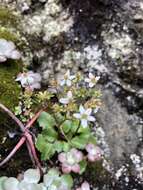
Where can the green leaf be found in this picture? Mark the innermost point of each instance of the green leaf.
(66, 146)
(51, 132)
(47, 149)
(66, 126)
(45, 120)
(92, 140)
(67, 179)
(83, 165)
(80, 141)
(58, 145)
(48, 152)
(84, 130)
(75, 125)
(59, 117)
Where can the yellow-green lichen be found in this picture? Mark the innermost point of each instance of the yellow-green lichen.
(8, 17)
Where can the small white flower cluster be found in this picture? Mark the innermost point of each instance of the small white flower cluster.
(85, 116)
(67, 99)
(8, 50)
(29, 80)
(92, 80)
(67, 80)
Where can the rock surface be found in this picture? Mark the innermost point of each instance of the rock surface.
(101, 36)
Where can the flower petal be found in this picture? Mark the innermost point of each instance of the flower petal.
(79, 156)
(87, 80)
(91, 84)
(68, 82)
(97, 78)
(64, 100)
(71, 77)
(91, 157)
(77, 115)
(37, 77)
(62, 157)
(62, 82)
(91, 118)
(35, 86)
(91, 76)
(76, 168)
(84, 123)
(69, 94)
(89, 147)
(88, 111)
(66, 168)
(81, 109)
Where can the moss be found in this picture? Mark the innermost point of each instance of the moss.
(9, 89)
(97, 175)
(6, 34)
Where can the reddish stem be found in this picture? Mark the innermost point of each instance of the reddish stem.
(33, 151)
(19, 144)
(30, 123)
(27, 137)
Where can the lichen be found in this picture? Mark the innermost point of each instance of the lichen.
(8, 17)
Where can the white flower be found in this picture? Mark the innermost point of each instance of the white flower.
(67, 79)
(92, 80)
(84, 116)
(8, 50)
(67, 99)
(30, 80)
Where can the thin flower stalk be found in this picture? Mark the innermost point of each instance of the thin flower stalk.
(25, 138)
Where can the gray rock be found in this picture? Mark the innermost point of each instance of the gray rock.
(120, 132)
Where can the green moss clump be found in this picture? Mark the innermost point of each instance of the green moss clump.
(4, 33)
(9, 89)
(97, 175)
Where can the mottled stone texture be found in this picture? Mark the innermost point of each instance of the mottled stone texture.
(101, 36)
